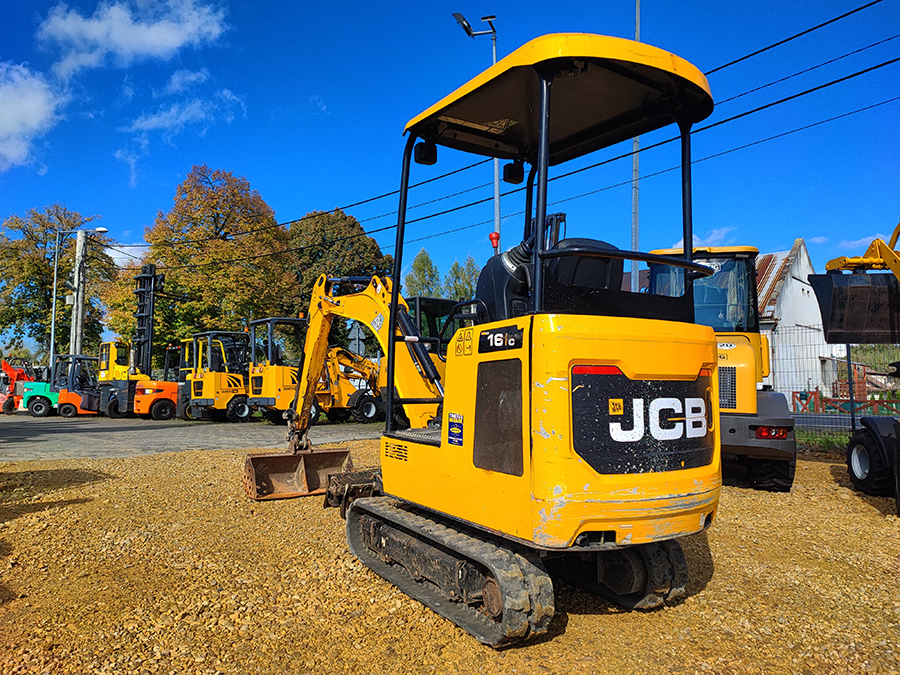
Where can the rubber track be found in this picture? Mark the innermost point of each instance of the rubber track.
(667, 576)
(525, 586)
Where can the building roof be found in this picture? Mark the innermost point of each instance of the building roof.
(772, 269)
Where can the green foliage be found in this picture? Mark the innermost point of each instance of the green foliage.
(334, 244)
(215, 247)
(460, 282)
(27, 247)
(423, 278)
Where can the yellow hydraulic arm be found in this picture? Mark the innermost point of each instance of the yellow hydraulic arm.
(879, 256)
(415, 378)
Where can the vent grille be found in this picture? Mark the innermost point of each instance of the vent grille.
(728, 387)
(198, 388)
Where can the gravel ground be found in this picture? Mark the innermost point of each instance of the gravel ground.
(158, 564)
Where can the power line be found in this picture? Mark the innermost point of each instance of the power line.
(793, 37)
(663, 171)
(807, 70)
(466, 227)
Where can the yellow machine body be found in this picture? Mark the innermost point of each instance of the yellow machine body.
(114, 362)
(219, 374)
(548, 494)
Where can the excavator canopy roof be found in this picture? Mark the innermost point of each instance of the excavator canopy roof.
(605, 90)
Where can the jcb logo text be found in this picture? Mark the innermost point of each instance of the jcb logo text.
(669, 419)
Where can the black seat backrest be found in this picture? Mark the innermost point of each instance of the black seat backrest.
(579, 284)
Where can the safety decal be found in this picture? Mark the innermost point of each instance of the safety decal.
(455, 429)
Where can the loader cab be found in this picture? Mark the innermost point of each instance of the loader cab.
(113, 362)
(277, 341)
(276, 356)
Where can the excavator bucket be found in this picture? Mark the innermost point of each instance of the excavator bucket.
(859, 308)
(285, 474)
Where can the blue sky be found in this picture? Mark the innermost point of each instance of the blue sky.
(106, 106)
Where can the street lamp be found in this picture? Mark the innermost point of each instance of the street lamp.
(55, 271)
(461, 20)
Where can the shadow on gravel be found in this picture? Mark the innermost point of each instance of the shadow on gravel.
(19, 486)
(571, 600)
(886, 506)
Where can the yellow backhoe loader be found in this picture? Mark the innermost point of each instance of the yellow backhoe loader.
(573, 430)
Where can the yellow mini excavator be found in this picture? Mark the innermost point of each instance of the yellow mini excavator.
(572, 432)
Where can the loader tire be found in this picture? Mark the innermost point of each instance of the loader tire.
(163, 409)
(238, 410)
(68, 410)
(772, 475)
(314, 413)
(39, 407)
(366, 409)
(339, 415)
(9, 406)
(867, 469)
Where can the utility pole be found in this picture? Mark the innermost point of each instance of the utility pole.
(75, 334)
(635, 175)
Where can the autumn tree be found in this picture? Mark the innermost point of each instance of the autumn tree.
(27, 247)
(460, 282)
(423, 278)
(332, 243)
(224, 257)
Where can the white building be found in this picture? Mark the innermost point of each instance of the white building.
(801, 361)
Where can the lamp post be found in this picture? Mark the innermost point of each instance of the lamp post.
(55, 274)
(461, 20)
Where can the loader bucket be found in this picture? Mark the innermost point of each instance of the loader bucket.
(284, 475)
(858, 308)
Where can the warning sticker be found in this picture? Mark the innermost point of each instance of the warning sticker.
(455, 429)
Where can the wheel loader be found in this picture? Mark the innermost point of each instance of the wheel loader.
(755, 423)
(572, 433)
(302, 470)
(859, 299)
(218, 381)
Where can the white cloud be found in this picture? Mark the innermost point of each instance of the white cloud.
(182, 80)
(173, 118)
(317, 101)
(130, 159)
(28, 108)
(229, 99)
(861, 244)
(818, 240)
(716, 238)
(122, 34)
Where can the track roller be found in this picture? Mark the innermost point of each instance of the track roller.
(499, 595)
(645, 576)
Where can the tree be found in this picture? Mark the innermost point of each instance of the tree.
(27, 247)
(460, 282)
(224, 257)
(335, 244)
(423, 278)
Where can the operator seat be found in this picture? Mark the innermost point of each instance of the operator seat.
(573, 284)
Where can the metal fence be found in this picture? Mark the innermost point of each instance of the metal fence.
(829, 387)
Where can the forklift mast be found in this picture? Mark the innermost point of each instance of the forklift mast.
(147, 284)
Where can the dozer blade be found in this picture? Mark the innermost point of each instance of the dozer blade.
(858, 308)
(285, 475)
